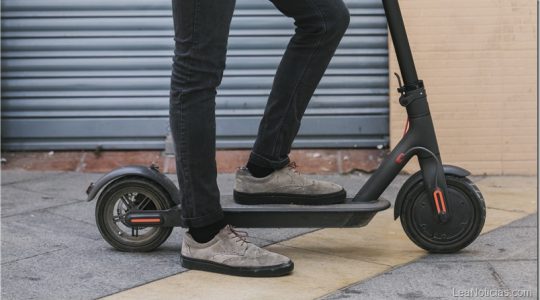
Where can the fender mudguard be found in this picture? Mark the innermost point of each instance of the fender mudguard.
(415, 178)
(151, 173)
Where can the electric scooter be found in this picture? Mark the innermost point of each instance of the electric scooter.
(440, 209)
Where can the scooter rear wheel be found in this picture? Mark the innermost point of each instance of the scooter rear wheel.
(467, 214)
(123, 195)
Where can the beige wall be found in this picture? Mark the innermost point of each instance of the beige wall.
(478, 60)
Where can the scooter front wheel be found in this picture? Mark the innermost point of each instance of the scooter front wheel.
(467, 214)
(119, 198)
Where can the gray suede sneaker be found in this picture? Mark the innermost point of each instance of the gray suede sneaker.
(230, 253)
(285, 186)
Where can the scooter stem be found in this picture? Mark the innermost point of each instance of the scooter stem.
(421, 135)
(401, 42)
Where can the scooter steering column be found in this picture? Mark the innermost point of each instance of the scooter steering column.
(420, 139)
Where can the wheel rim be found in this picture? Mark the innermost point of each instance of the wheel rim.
(426, 223)
(123, 201)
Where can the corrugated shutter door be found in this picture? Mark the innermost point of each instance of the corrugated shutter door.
(81, 74)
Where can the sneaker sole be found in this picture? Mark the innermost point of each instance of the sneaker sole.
(209, 266)
(278, 198)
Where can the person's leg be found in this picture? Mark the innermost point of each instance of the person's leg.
(201, 32)
(320, 25)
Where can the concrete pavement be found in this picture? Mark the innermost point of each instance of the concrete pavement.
(51, 248)
(501, 260)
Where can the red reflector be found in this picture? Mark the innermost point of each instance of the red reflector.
(439, 198)
(400, 158)
(147, 220)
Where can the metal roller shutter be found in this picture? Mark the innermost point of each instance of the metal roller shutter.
(76, 75)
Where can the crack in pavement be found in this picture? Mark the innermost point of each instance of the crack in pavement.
(340, 256)
(32, 179)
(507, 210)
(144, 283)
(477, 260)
(68, 217)
(40, 209)
(282, 240)
(497, 277)
(43, 194)
(35, 255)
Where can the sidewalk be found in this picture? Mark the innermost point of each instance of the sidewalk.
(51, 249)
(504, 259)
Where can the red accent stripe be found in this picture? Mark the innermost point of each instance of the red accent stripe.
(437, 204)
(147, 220)
(437, 194)
(443, 203)
(400, 158)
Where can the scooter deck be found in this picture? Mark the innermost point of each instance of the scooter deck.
(348, 214)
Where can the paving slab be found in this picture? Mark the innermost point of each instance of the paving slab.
(530, 221)
(505, 258)
(306, 282)
(42, 232)
(81, 211)
(517, 275)
(65, 185)
(12, 176)
(420, 281)
(16, 201)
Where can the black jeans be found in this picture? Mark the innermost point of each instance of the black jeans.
(201, 32)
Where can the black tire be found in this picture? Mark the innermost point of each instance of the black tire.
(138, 191)
(467, 214)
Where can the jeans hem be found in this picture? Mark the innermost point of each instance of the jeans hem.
(262, 161)
(202, 221)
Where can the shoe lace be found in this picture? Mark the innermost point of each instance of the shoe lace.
(239, 235)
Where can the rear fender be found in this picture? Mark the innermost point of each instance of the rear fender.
(151, 173)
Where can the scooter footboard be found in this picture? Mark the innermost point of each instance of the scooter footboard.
(348, 214)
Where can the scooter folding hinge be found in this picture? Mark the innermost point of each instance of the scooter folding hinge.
(404, 89)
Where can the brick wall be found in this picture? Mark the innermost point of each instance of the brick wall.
(478, 60)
